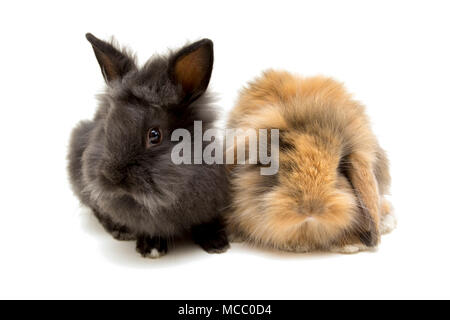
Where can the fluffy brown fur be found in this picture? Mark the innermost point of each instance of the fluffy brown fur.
(328, 193)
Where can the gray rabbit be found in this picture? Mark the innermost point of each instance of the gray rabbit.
(120, 162)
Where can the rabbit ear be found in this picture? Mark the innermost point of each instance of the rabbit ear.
(191, 67)
(113, 63)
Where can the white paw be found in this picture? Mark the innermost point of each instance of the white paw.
(349, 249)
(154, 254)
(388, 223)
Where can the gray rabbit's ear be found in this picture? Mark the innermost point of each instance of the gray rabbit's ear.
(114, 64)
(191, 67)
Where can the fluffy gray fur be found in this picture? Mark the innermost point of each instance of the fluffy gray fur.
(133, 190)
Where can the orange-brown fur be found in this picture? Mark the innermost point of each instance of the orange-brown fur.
(329, 190)
(190, 71)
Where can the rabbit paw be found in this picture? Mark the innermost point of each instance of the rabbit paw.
(349, 249)
(151, 247)
(218, 245)
(388, 223)
(211, 237)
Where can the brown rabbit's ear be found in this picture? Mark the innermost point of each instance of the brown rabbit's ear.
(114, 64)
(369, 234)
(191, 67)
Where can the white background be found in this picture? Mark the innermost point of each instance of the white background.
(393, 55)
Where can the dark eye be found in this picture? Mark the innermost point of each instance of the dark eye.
(154, 137)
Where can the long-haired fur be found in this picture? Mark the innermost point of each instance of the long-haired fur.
(133, 187)
(328, 192)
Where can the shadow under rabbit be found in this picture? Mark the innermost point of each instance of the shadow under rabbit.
(182, 251)
(124, 252)
(273, 253)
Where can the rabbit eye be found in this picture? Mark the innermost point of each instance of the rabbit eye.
(154, 137)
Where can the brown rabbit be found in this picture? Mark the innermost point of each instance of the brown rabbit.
(329, 191)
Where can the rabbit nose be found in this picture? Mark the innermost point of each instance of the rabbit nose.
(115, 176)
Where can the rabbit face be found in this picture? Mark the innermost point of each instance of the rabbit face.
(142, 107)
(137, 137)
(305, 207)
